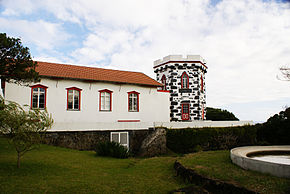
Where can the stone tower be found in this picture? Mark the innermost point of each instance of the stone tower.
(184, 78)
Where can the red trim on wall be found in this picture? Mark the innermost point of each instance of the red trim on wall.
(77, 89)
(181, 62)
(184, 74)
(128, 120)
(38, 86)
(108, 91)
(133, 92)
(163, 91)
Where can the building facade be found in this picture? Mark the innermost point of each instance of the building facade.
(184, 78)
(114, 103)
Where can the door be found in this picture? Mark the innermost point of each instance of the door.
(185, 112)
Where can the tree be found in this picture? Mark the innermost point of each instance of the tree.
(276, 130)
(16, 64)
(24, 128)
(216, 114)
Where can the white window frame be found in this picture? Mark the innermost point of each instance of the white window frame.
(73, 94)
(105, 101)
(37, 94)
(133, 99)
(119, 135)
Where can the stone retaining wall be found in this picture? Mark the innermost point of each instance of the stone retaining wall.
(87, 140)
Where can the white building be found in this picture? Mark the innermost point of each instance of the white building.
(90, 104)
(93, 99)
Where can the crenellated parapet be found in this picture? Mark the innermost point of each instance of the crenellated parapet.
(180, 59)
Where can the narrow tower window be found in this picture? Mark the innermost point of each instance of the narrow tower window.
(163, 80)
(184, 80)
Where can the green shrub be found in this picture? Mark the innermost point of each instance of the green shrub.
(215, 138)
(111, 149)
(276, 131)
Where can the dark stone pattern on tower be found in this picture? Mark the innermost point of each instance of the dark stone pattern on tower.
(193, 95)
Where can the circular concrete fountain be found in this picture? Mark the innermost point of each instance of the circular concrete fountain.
(244, 157)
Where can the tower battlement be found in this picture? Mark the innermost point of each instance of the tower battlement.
(179, 58)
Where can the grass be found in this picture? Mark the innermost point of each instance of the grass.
(58, 170)
(218, 165)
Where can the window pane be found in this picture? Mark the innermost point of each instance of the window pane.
(123, 139)
(185, 108)
(76, 107)
(105, 101)
(135, 104)
(35, 89)
(115, 137)
(34, 100)
(76, 99)
(70, 105)
(41, 100)
(41, 89)
(133, 100)
(130, 103)
(70, 100)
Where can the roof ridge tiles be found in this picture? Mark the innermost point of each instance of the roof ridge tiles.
(93, 67)
(69, 71)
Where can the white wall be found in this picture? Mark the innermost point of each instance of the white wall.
(200, 124)
(153, 105)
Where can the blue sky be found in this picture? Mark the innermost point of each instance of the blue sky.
(244, 42)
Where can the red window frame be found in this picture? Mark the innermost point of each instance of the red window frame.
(185, 119)
(100, 100)
(163, 81)
(77, 89)
(137, 93)
(45, 92)
(187, 83)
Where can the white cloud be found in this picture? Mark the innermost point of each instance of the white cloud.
(244, 42)
(43, 34)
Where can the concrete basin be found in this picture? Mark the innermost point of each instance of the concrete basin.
(241, 156)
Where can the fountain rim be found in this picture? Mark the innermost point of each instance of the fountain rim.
(240, 157)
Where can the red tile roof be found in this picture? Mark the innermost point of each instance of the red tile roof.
(93, 74)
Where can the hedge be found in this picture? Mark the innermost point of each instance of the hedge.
(213, 138)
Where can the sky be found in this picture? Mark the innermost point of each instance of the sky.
(244, 42)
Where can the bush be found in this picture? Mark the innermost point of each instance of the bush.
(276, 131)
(215, 138)
(111, 149)
(216, 114)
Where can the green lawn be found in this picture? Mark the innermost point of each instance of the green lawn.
(58, 170)
(218, 165)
